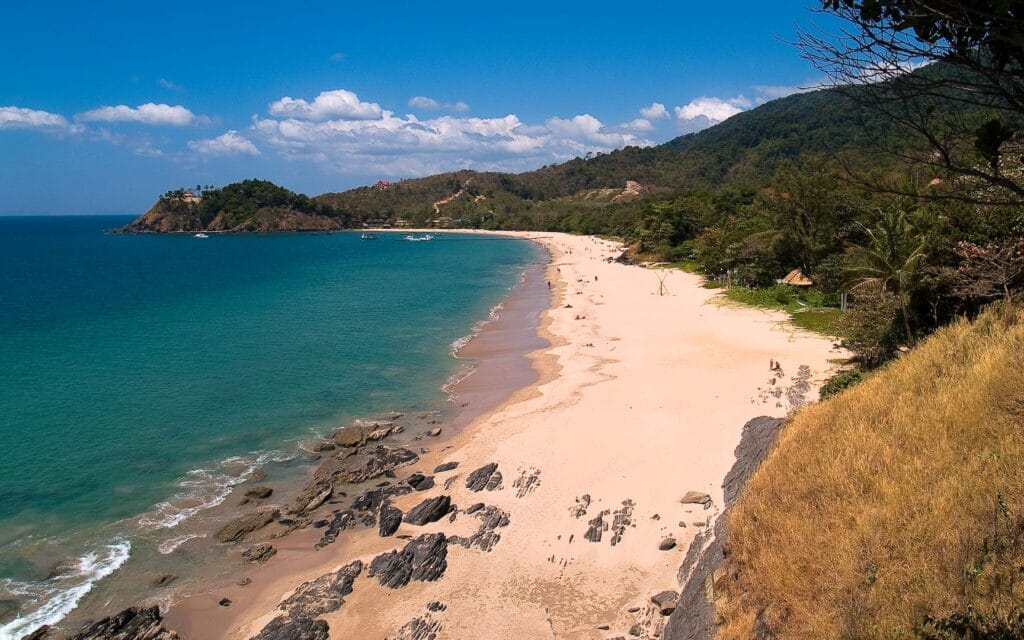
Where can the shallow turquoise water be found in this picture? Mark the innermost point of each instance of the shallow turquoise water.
(128, 361)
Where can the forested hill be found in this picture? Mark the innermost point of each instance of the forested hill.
(743, 152)
(250, 205)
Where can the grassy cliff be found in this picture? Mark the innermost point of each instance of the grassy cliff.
(895, 509)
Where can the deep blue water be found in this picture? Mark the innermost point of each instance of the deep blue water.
(127, 361)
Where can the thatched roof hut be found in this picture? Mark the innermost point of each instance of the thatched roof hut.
(797, 278)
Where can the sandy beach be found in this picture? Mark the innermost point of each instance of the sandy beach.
(639, 398)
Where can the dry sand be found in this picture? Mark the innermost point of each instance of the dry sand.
(641, 399)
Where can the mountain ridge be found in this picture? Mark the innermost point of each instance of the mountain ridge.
(743, 151)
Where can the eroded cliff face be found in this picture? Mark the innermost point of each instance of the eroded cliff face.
(162, 218)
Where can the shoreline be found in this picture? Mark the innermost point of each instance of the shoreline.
(496, 353)
(194, 541)
(639, 399)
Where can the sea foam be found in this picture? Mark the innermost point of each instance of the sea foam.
(59, 595)
(206, 488)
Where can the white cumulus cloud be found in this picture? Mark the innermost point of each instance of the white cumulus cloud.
(397, 145)
(640, 125)
(656, 111)
(715, 109)
(149, 113)
(230, 143)
(337, 104)
(424, 102)
(701, 113)
(22, 118)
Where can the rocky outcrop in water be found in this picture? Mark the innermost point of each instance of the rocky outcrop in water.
(134, 623)
(242, 526)
(352, 436)
(424, 559)
(350, 467)
(259, 493)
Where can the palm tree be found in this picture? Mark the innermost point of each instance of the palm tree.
(891, 260)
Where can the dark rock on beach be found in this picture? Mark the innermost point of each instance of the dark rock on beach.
(134, 623)
(424, 559)
(286, 628)
(323, 595)
(694, 616)
(486, 477)
(374, 463)
(667, 544)
(342, 520)
(390, 519)
(420, 482)
(447, 466)
(486, 537)
(163, 580)
(430, 510)
(242, 526)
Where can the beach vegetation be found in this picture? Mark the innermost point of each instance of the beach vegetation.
(840, 381)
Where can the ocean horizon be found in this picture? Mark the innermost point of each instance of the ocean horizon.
(146, 375)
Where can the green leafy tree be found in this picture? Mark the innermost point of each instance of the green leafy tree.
(808, 206)
(965, 108)
(891, 260)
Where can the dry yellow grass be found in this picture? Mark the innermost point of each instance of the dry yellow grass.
(901, 498)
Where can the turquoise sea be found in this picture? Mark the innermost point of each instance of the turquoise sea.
(142, 375)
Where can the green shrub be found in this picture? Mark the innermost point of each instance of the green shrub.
(840, 381)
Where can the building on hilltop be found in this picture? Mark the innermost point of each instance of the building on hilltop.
(191, 197)
(381, 185)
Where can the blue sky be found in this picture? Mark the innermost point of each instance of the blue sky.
(105, 105)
